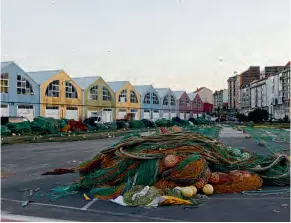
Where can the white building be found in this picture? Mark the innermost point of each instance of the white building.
(258, 94)
(275, 96)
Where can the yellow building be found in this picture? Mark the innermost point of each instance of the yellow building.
(98, 98)
(127, 99)
(60, 96)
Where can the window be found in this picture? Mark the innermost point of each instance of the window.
(182, 103)
(25, 106)
(133, 98)
(52, 107)
(187, 102)
(123, 96)
(173, 100)
(23, 86)
(72, 108)
(166, 100)
(71, 91)
(53, 89)
(93, 93)
(147, 98)
(4, 83)
(106, 94)
(155, 99)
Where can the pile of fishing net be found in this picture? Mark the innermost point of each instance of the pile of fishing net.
(148, 123)
(19, 127)
(164, 162)
(122, 125)
(164, 123)
(5, 131)
(77, 126)
(180, 122)
(43, 125)
(199, 121)
(136, 124)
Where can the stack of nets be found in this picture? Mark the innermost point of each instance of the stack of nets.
(136, 124)
(164, 123)
(5, 131)
(199, 121)
(19, 128)
(148, 123)
(176, 159)
(122, 125)
(43, 125)
(77, 126)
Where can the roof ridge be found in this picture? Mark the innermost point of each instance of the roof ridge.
(44, 71)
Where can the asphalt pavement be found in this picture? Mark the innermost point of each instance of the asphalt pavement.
(24, 163)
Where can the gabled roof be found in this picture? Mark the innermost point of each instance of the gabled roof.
(85, 82)
(6, 63)
(178, 94)
(117, 85)
(288, 64)
(41, 76)
(162, 91)
(199, 89)
(192, 95)
(142, 89)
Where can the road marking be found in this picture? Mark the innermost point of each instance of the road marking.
(5, 216)
(95, 211)
(89, 204)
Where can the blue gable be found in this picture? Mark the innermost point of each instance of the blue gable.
(15, 95)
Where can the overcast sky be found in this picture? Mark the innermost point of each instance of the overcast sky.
(167, 43)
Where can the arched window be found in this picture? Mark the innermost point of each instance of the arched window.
(166, 100)
(173, 100)
(106, 94)
(71, 91)
(53, 89)
(133, 98)
(93, 95)
(23, 86)
(155, 99)
(147, 98)
(123, 96)
(182, 103)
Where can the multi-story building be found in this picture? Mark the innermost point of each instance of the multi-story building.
(196, 105)
(258, 92)
(275, 96)
(238, 84)
(270, 71)
(245, 99)
(218, 99)
(286, 88)
(225, 98)
(231, 92)
(248, 76)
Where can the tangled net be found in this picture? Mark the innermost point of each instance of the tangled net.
(194, 160)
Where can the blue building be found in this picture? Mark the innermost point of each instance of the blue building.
(169, 104)
(19, 93)
(150, 102)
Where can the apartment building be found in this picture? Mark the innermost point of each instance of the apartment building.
(245, 99)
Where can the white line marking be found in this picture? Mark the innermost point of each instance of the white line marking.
(95, 211)
(89, 204)
(7, 216)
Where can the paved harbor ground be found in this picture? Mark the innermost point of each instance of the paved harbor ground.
(22, 165)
